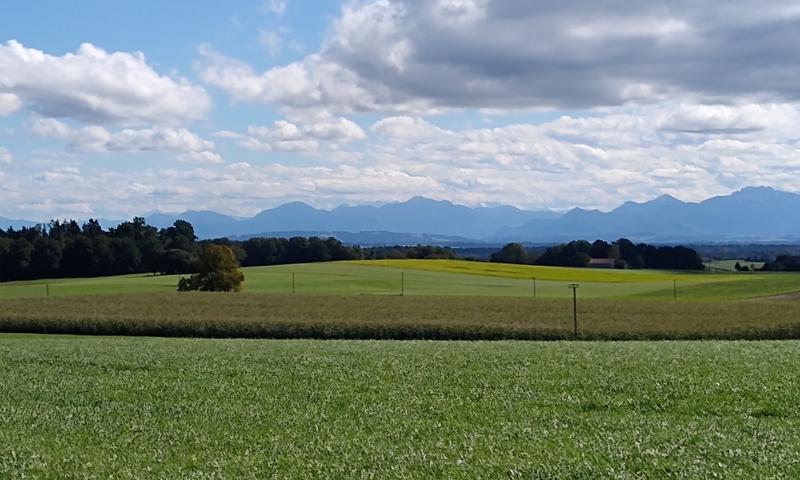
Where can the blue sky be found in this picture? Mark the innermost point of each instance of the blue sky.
(114, 109)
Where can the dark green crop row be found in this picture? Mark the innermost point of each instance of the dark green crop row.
(393, 317)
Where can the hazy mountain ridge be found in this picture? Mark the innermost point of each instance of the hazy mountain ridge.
(750, 214)
(417, 216)
(753, 214)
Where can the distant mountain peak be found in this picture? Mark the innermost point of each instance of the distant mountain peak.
(421, 200)
(760, 188)
(666, 198)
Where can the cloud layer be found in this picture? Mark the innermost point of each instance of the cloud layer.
(533, 103)
(423, 56)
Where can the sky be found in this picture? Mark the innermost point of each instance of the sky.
(116, 109)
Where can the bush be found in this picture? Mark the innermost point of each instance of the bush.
(217, 271)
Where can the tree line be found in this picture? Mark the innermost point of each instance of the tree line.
(68, 249)
(783, 263)
(623, 252)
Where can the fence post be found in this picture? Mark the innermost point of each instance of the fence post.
(293, 284)
(674, 289)
(402, 284)
(534, 287)
(574, 287)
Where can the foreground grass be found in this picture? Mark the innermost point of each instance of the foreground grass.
(76, 407)
(393, 317)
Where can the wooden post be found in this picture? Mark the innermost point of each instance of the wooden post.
(534, 287)
(293, 284)
(675, 289)
(574, 287)
(47, 289)
(402, 284)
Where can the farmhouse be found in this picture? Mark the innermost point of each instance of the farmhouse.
(601, 263)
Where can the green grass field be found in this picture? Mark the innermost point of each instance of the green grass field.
(730, 265)
(125, 408)
(436, 277)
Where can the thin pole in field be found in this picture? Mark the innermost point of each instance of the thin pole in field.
(534, 287)
(402, 284)
(675, 289)
(47, 289)
(293, 284)
(574, 287)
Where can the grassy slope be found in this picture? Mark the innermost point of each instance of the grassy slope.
(561, 274)
(730, 265)
(439, 278)
(394, 317)
(74, 407)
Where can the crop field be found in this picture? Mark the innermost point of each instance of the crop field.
(111, 407)
(252, 315)
(437, 277)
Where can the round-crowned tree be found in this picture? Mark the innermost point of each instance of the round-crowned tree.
(216, 271)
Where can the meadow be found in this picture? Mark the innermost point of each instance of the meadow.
(442, 277)
(103, 407)
(440, 300)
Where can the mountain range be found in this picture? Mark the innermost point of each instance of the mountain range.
(753, 214)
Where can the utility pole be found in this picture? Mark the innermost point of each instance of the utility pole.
(675, 289)
(402, 284)
(534, 287)
(293, 284)
(47, 289)
(574, 287)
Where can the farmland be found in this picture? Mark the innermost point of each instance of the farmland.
(435, 277)
(96, 407)
(356, 405)
(253, 315)
(441, 300)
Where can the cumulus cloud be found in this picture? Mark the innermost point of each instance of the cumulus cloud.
(9, 104)
(307, 134)
(703, 118)
(97, 139)
(96, 87)
(424, 56)
(201, 157)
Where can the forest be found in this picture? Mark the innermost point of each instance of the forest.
(623, 252)
(68, 249)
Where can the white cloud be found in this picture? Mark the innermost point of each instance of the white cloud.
(51, 128)
(97, 139)
(748, 117)
(5, 156)
(97, 87)
(201, 157)
(278, 7)
(406, 127)
(309, 134)
(157, 139)
(9, 104)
